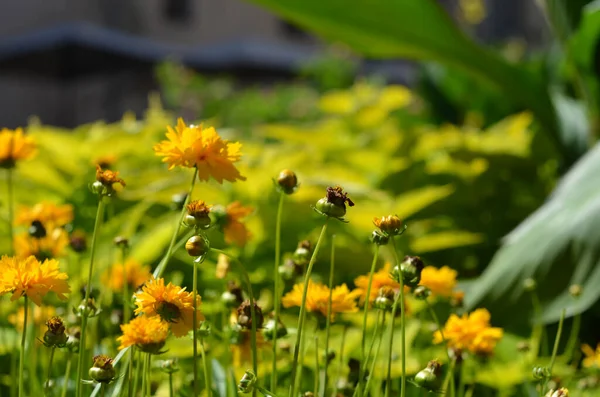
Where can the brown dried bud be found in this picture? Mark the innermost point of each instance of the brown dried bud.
(244, 313)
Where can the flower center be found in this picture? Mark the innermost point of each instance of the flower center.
(169, 312)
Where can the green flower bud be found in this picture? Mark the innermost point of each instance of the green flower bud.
(430, 377)
(385, 298)
(99, 189)
(87, 309)
(247, 382)
(421, 292)
(102, 371)
(379, 238)
(409, 270)
(198, 215)
(55, 335)
(169, 366)
(274, 329)
(197, 246)
(334, 204)
(540, 373)
(302, 255)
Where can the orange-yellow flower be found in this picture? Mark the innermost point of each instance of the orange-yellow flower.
(229, 220)
(52, 245)
(46, 212)
(381, 278)
(441, 281)
(470, 332)
(194, 146)
(147, 333)
(32, 278)
(317, 298)
(172, 303)
(592, 358)
(14, 146)
(137, 274)
(107, 177)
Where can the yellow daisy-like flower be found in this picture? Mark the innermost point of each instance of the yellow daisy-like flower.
(32, 278)
(137, 274)
(52, 245)
(48, 213)
(317, 298)
(592, 357)
(15, 146)
(229, 221)
(441, 281)
(381, 278)
(470, 332)
(147, 333)
(172, 303)
(194, 146)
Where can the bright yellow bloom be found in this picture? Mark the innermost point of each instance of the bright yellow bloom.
(48, 213)
(32, 278)
(592, 358)
(14, 146)
(53, 245)
(235, 231)
(172, 303)
(194, 146)
(470, 332)
(381, 278)
(317, 298)
(137, 274)
(40, 315)
(148, 333)
(441, 281)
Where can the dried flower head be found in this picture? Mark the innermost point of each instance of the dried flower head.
(102, 370)
(108, 178)
(244, 315)
(390, 225)
(15, 146)
(195, 146)
(55, 335)
(334, 203)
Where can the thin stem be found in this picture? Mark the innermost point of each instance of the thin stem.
(328, 320)
(341, 362)
(148, 375)
(538, 329)
(144, 375)
(67, 375)
(163, 263)
(205, 365)
(195, 326)
(130, 373)
(440, 328)
(84, 313)
(276, 286)
(171, 390)
(22, 352)
(137, 375)
(126, 297)
(11, 211)
(400, 298)
(302, 316)
(450, 379)
(47, 385)
(102, 389)
(372, 370)
(316, 387)
(555, 348)
(365, 317)
(13, 369)
(572, 341)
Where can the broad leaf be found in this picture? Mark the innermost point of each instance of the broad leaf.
(558, 245)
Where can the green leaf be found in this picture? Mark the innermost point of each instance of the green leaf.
(421, 30)
(558, 245)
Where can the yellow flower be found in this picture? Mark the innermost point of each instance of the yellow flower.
(50, 246)
(229, 221)
(32, 278)
(441, 281)
(107, 177)
(241, 351)
(381, 278)
(147, 333)
(470, 332)
(592, 358)
(48, 213)
(317, 298)
(39, 317)
(194, 146)
(14, 146)
(137, 274)
(172, 303)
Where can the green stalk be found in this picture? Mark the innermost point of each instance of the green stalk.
(163, 263)
(205, 365)
(341, 362)
(171, 392)
(47, 385)
(555, 348)
(13, 369)
(328, 320)
(194, 326)
(84, 314)
(126, 297)
(148, 375)
(130, 373)
(400, 298)
(22, 352)
(144, 375)
(372, 370)
(137, 375)
(67, 375)
(11, 211)
(363, 359)
(572, 341)
(316, 387)
(276, 287)
(440, 328)
(102, 389)
(302, 316)
(538, 329)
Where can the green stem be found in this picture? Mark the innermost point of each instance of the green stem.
(67, 376)
(265, 392)
(171, 390)
(572, 341)
(163, 263)
(328, 320)
(195, 325)
(376, 332)
(205, 365)
(449, 380)
(372, 370)
(400, 298)
(103, 390)
(84, 313)
(538, 328)
(367, 303)
(130, 373)
(13, 369)
(11, 211)
(316, 387)
(555, 348)
(440, 328)
(341, 362)
(276, 287)
(47, 385)
(22, 351)
(302, 316)
(126, 297)
(137, 375)
(148, 375)
(144, 375)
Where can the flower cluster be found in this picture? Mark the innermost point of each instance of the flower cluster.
(470, 332)
(317, 299)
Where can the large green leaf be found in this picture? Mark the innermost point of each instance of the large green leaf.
(558, 245)
(422, 30)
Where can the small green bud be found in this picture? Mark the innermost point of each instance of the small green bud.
(247, 382)
(169, 366)
(421, 292)
(87, 309)
(274, 329)
(540, 373)
(409, 270)
(197, 246)
(429, 378)
(99, 189)
(385, 298)
(379, 238)
(102, 371)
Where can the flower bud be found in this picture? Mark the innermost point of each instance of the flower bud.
(430, 377)
(55, 335)
(78, 241)
(244, 313)
(73, 343)
(308, 394)
(410, 270)
(334, 204)
(198, 215)
(575, 290)
(197, 246)
(121, 242)
(379, 238)
(540, 373)
(529, 284)
(302, 254)
(274, 329)
(102, 371)
(287, 181)
(105, 181)
(562, 392)
(385, 298)
(421, 292)
(37, 229)
(87, 309)
(523, 346)
(247, 382)
(169, 366)
(289, 270)
(390, 225)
